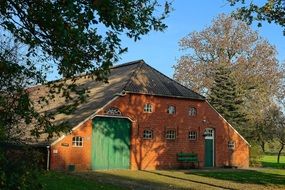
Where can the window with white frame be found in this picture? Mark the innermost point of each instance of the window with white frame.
(192, 111)
(171, 110)
(192, 135)
(231, 145)
(147, 108)
(147, 134)
(77, 141)
(209, 132)
(170, 134)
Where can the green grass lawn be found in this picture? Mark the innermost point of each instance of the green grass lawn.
(271, 161)
(234, 179)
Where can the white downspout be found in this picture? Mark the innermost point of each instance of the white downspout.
(48, 157)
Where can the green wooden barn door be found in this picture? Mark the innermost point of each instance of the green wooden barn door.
(110, 143)
(209, 147)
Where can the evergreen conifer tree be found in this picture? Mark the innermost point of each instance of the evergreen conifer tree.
(226, 98)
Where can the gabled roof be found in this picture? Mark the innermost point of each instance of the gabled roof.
(148, 80)
(132, 77)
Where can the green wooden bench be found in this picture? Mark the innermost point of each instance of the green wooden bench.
(184, 157)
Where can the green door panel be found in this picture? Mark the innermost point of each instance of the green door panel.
(209, 152)
(110, 143)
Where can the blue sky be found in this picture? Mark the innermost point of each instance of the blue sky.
(161, 50)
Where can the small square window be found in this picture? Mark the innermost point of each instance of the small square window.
(171, 110)
(77, 141)
(170, 134)
(147, 134)
(147, 108)
(192, 111)
(192, 135)
(231, 145)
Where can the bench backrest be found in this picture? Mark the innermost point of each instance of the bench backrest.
(182, 156)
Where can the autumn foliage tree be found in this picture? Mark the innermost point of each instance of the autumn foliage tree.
(252, 60)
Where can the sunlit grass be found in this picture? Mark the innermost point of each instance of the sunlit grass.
(271, 161)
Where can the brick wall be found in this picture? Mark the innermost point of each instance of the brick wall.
(158, 152)
(63, 153)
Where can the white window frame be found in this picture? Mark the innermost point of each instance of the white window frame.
(170, 134)
(209, 133)
(231, 145)
(77, 141)
(147, 108)
(171, 110)
(192, 135)
(192, 111)
(147, 134)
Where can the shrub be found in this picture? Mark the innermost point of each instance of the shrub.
(255, 155)
(19, 169)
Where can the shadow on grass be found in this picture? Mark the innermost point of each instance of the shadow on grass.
(273, 165)
(124, 181)
(65, 181)
(244, 176)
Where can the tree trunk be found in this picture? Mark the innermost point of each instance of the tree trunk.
(279, 153)
(262, 144)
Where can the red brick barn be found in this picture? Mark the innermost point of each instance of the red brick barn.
(141, 119)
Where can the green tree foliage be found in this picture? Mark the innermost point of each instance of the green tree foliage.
(18, 163)
(270, 11)
(275, 122)
(226, 98)
(80, 35)
(74, 36)
(20, 171)
(263, 132)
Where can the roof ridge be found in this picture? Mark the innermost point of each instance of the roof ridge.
(127, 64)
(174, 81)
(141, 62)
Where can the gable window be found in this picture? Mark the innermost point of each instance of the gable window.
(113, 111)
(171, 110)
(192, 111)
(147, 108)
(77, 141)
(170, 134)
(231, 145)
(147, 134)
(192, 135)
